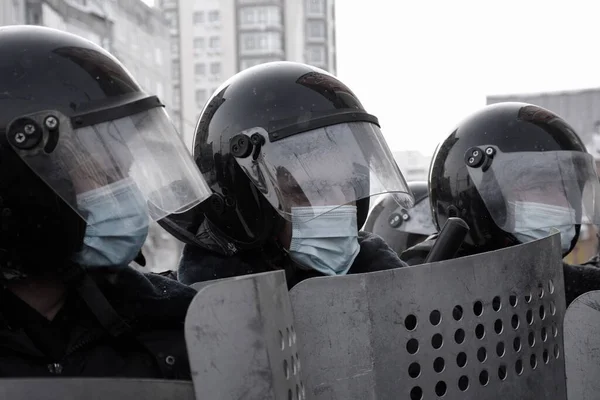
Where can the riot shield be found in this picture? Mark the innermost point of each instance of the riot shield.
(200, 285)
(241, 340)
(95, 389)
(582, 347)
(481, 327)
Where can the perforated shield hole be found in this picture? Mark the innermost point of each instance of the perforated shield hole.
(437, 340)
(514, 321)
(540, 291)
(414, 370)
(556, 351)
(478, 308)
(513, 300)
(533, 361)
(554, 330)
(498, 326)
(502, 372)
(435, 317)
(497, 303)
(297, 362)
(303, 390)
(457, 313)
(482, 354)
(286, 369)
(551, 286)
(289, 337)
(542, 312)
(479, 331)
(463, 383)
(552, 308)
(416, 393)
(440, 388)
(529, 317)
(544, 334)
(519, 367)
(461, 359)
(527, 296)
(500, 350)
(410, 322)
(439, 364)
(412, 346)
(293, 336)
(293, 362)
(484, 378)
(290, 394)
(546, 356)
(531, 339)
(282, 340)
(459, 336)
(517, 344)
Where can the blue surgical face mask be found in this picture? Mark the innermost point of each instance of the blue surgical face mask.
(113, 238)
(542, 217)
(327, 243)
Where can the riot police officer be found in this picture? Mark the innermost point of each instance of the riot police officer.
(402, 228)
(87, 160)
(512, 172)
(292, 158)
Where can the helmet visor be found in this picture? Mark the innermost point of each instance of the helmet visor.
(325, 168)
(141, 152)
(525, 191)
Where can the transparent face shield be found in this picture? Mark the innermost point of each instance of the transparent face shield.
(322, 169)
(141, 153)
(527, 191)
(418, 220)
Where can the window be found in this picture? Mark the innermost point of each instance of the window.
(214, 42)
(200, 97)
(249, 43)
(315, 29)
(158, 56)
(174, 48)
(213, 16)
(198, 45)
(316, 7)
(215, 68)
(176, 97)
(315, 55)
(171, 16)
(175, 71)
(200, 69)
(198, 17)
(247, 15)
(262, 15)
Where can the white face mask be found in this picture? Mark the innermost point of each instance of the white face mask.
(534, 220)
(327, 243)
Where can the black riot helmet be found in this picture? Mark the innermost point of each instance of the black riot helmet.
(80, 142)
(400, 227)
(279, 136)
(513, 171)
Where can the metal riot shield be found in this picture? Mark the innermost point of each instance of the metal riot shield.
(241, 340)
(481, 327)
(582, 347)
(94, 389)
(200, 285)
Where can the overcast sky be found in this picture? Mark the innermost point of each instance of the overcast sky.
(422, 66)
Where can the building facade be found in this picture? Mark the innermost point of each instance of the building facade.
(211, 40)
(581, 109)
